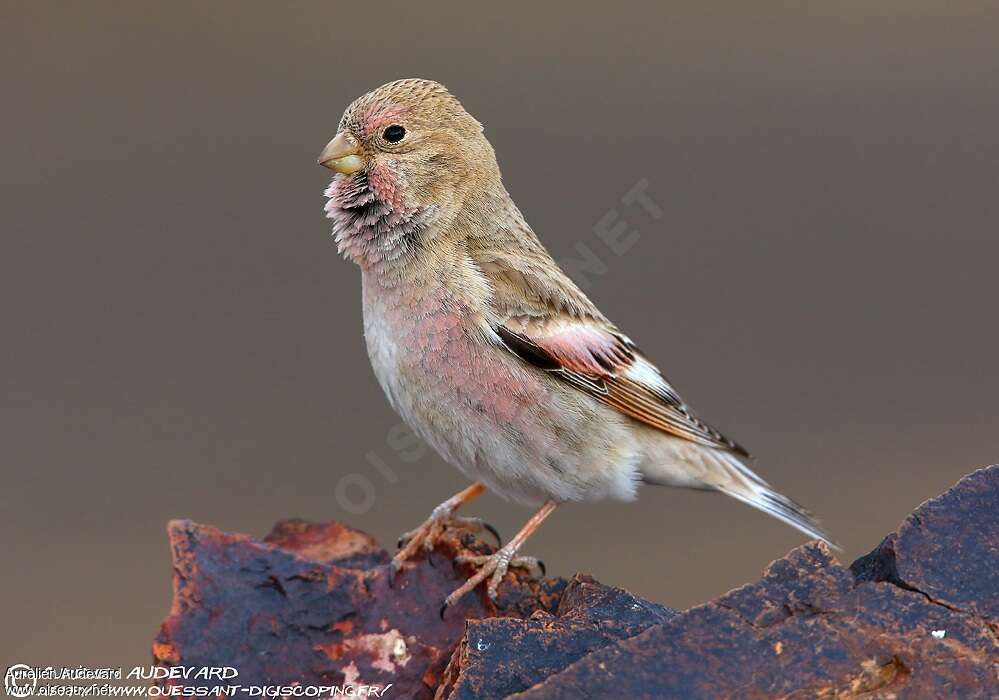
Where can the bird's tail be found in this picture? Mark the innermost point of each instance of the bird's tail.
(737, 480)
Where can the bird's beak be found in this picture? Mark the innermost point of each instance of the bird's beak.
(342, 154)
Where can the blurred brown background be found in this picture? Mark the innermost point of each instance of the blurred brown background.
(181, 339)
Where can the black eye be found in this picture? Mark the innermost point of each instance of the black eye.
(394, 133)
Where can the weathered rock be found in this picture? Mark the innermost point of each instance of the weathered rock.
(501, 656)
(312, 605)
(917, 617)
(813, 628)
(948, 549)
(806, 630)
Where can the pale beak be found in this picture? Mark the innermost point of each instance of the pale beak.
(342, 154)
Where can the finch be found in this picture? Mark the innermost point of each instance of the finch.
(487, 349)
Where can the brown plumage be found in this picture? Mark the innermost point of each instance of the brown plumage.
(485, 347)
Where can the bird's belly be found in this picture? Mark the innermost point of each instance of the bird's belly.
(497, 420)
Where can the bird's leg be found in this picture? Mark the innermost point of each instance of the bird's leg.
(496, 565)
(426, 534)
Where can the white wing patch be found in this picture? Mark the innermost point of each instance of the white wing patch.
(643, 372)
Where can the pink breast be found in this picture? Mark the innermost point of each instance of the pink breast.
(441, 350)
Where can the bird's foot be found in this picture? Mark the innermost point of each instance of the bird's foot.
(493, 567)
(426, 535)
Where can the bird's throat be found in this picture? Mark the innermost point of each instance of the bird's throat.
(371, 229)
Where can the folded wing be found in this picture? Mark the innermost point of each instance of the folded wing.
(605, 364)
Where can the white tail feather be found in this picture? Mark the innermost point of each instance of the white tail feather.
(684, 464)
(739, 482)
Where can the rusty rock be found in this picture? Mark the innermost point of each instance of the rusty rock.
(918, 617)
(312, 605)
(502, 656)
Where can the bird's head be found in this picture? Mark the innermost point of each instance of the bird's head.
(406, 156)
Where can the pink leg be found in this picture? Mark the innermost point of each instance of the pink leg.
(426, 534)
(496, 565)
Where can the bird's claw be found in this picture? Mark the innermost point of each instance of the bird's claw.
(493, 567)
(475, 525)
(534, 567)
(494, 532)
(426, 535)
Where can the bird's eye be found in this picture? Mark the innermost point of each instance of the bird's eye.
(394, 133)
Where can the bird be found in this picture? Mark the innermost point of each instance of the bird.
(488, 350)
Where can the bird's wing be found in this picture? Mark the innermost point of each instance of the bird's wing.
(598, 360)
(545, 319)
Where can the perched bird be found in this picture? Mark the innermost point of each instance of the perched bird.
(487, 349)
